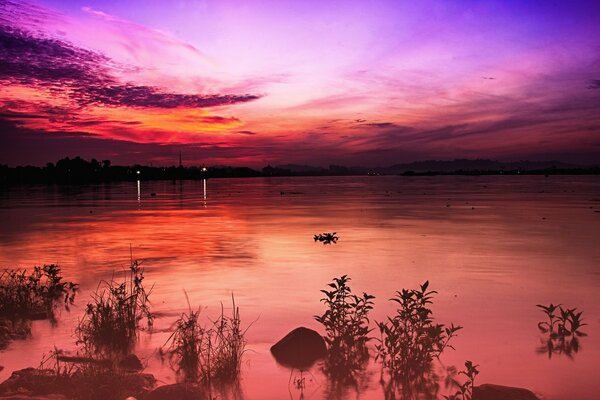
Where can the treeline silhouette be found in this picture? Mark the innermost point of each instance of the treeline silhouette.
(77, 171)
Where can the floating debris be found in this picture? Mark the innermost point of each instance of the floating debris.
(326, 238)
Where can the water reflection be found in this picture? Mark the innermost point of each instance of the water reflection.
(491, 263)
(13, 329)
(204, 191)
(139, 195)
(302, 385)
(425, 387)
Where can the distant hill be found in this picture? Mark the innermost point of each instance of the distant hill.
(435, 167)
(303, 169)
(476, 165)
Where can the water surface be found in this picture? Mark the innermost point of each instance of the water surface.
(493, 247)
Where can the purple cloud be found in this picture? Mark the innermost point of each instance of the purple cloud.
(147, 96)
(84, 75)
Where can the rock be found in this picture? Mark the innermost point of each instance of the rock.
(498, 392)
(40, 382)
(131, 362)
(178, 391)
(34, 397)
(299, 349)
(26, 381)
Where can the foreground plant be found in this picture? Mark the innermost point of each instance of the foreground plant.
(207, 354)
(562, 330)
(410, 341)
(35, 294)
(114, 317)
(464, 389)
(346, 323)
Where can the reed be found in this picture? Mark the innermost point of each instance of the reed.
(115, 315)
(207, 354)
(35, 294)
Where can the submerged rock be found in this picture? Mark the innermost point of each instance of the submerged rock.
(105, 385)
(498, 392)
(178, 391)
(299, 349)
(26, 381)
(131, 362)
(34, 397)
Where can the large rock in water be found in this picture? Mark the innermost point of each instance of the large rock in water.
(497, 392)
(299, 349)
(178, 391)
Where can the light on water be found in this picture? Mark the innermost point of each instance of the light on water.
(492, 247)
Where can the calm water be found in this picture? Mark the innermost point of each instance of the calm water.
(493, 247)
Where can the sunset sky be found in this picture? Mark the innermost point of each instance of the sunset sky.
(250, 83)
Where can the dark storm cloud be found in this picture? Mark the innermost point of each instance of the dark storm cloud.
(84, 75)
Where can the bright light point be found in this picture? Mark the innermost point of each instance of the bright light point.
(138, 172)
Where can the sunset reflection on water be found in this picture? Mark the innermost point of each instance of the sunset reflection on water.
(493, 247)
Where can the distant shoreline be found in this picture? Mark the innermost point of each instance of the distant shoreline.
(80, 171)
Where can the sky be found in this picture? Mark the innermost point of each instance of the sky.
(371, 83)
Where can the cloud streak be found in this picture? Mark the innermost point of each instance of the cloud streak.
(84, 75)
